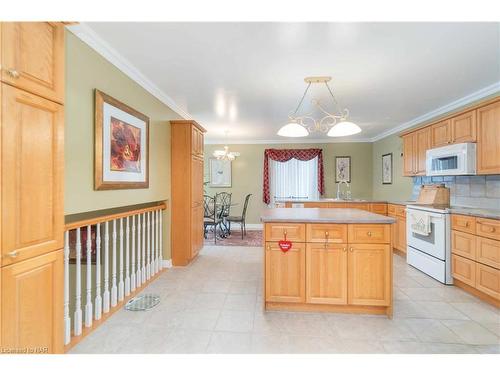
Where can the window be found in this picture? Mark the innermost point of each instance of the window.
(294, 179)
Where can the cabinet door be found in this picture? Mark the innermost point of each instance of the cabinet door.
(463, 127)
(196, 230)
(488, 228)
(401, 234)
(326, 233)
(408, 155)
(379, 208)
(32, 304)
(285, 273)
(463, 269)
(488, 280)
(488, 252)
(32, 175)
(326, 273)
(33, 57)
(292, 232)
(488, 139)
(422, 144)
(369, 288)
(441, 134)
(463, 244)
(369, 233)
(196, 181)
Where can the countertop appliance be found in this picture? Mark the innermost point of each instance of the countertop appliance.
(430, 253)
(453, 160)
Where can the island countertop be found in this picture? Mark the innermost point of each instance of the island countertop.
(323, 215)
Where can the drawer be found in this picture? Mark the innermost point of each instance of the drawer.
(369, 233)
(359, 206)
(463, 223)
(378, 208)
(488, 252)
(463, 244)
(488, 280)
(277, 231)
(326, 233)
(488, 228)
(401, 211)
(336, 205)
(391, 209)
(315, 205)
(463, 269)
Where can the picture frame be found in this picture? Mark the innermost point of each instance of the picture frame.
(342, 169)
(220, 173)
(387, 169)
(121, 154)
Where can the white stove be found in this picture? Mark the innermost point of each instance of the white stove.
(430, 253)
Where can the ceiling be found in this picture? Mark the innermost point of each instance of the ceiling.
(245, 78)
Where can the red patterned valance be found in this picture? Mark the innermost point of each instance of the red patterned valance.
(287, 154)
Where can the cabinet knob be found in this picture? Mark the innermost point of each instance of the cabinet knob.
(13, 254)
(466, 224)
(344, 249)
(369, 234)
(13, 73)
(351, 249)
(284, 232)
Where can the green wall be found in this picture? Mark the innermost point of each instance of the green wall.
(401, 187)
(247, 172)
(86, 70)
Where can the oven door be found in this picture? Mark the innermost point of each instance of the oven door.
(434, 244)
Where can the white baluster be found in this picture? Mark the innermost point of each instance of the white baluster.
(157, 242)
(153, 246)
(160, 256)
(143, 271)
(67, 319)
(127, 256)
(139, 250)
(148, 248)
(98, 299)
(77, 329)
(132, 276)
(88, 305)
(121, 285)
(114, 289)
(105, 295)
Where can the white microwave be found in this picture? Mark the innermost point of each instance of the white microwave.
(453, 160)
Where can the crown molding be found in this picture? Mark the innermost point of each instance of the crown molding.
(94, 41)
(284, 141)
(459, 103)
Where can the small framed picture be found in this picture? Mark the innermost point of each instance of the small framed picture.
(121, 145)
(387, 169)
(342, 168)
(220, 173)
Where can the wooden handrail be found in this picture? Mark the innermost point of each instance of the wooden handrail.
(104, 218)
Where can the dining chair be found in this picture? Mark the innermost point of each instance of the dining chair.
(223, 202)
(240, 219)
(211, 216)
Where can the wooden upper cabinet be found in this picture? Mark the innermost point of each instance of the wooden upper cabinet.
(197, 141)
(488, 139)
(32, 304)
(408, 154)
(463, 127)
(32, 56)
(441, 134)
(31, 175)
(422, 144)
(326, 275)
(369, 288)
(285, 273)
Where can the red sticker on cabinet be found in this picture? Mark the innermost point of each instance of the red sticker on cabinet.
(285, 245)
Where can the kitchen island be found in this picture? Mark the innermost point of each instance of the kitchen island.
(327, 259)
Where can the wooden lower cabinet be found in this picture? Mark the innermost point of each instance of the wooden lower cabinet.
(371, 288)
(463, 244)
(196, 230)
(326, 273)
(400, 234)
(488, 280)
(32, 304)
(463, 269)
(285, 273)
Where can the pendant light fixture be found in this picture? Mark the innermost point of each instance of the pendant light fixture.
(225, 154)
(334, 124)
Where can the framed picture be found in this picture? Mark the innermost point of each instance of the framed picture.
(387, 168)
(220, 173)
(342, 168)
(121, 145)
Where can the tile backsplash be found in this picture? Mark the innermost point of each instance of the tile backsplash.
(467, 191)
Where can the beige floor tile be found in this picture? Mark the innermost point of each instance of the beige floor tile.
(405, 347)
(208, 301)
(442, 310)
(230, 342)
(472, 333)
(478, 311)
(422, 294)
(432, 330)
(202, 319)
(488, 349)
(436, 348)
(235, 321)
(270, 344)
(243, 287)
(244, 302)
(186, 341)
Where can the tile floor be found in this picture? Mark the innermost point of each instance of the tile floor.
(215, 306)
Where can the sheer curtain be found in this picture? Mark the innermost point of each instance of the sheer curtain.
(294, 179)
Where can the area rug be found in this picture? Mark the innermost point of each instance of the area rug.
(253, 238)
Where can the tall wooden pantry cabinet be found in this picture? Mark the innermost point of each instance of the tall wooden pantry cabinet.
(31, 183)
(187, 190)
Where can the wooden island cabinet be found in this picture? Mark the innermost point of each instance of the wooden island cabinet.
(339, 260)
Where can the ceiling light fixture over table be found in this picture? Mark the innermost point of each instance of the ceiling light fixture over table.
(225, 154)
(335, 125)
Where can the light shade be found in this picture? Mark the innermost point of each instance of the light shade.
(343, 129)
(292, 129)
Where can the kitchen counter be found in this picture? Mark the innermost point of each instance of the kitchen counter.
(479, 212)
(329, 200)
(323, 215)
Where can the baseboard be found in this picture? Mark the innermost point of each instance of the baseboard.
(166, 263)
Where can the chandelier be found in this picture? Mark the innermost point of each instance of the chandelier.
(334, 124)
(225, 154)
